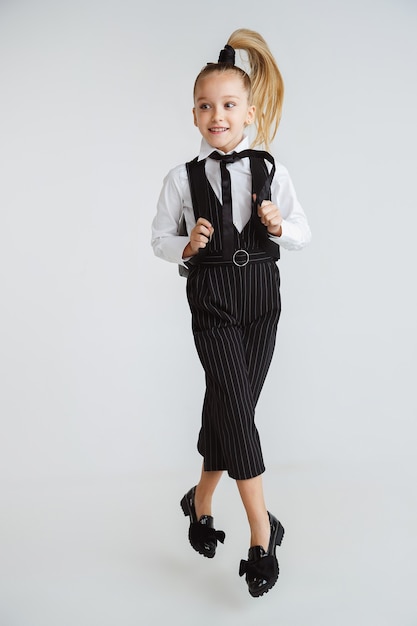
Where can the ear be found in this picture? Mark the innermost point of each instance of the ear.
(251, 114)
(195, 117)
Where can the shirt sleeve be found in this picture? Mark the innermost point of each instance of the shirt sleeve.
(166, 242)
(296, 231)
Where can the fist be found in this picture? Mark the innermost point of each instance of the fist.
(200, 235)
(271, 217)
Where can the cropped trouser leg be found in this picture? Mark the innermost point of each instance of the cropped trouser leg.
(234, 325)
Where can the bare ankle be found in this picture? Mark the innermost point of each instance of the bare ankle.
(202, 502)
(260, 532)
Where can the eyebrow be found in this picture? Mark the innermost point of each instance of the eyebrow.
(224, 97)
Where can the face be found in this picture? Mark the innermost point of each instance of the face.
(221, 110)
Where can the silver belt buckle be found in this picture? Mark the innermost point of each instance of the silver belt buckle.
(241, 262)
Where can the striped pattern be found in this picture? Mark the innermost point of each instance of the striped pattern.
(235, 313)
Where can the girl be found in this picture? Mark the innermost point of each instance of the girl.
(223, 218)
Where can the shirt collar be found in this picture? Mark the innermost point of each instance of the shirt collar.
(206, 149)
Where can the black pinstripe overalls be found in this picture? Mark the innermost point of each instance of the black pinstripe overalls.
(235, 306)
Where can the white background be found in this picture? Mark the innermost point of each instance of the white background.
(99, 376)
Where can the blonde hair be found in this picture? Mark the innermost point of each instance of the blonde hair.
(263, 83)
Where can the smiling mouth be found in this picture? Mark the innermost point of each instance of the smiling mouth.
(218, 129)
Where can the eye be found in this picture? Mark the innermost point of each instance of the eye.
(204, 106)
(229, 105)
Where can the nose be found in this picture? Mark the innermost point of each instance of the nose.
(217, 112)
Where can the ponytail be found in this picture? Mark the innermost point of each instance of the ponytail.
(266, 80)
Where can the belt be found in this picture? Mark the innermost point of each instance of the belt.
(240, 258)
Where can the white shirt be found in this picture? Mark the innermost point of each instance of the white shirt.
(175, 200)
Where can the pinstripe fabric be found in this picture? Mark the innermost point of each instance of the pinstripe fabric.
(235, 312)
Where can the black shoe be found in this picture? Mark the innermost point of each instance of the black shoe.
(262, 568)
(203, 537)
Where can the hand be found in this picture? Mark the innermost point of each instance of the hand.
(271, 217)
(200, 235)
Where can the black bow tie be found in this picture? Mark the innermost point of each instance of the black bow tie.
(229, 158)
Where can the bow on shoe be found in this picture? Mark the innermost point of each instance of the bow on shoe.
(203, 537)
(264, 568)
(200, 533)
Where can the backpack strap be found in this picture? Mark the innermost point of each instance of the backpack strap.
(198, 186)
(261, 187)
(199, 195)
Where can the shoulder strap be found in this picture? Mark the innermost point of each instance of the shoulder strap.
(261, 186)
(199, 195)
(182, 228)
(198, 186)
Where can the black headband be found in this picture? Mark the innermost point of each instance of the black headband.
(227, 55)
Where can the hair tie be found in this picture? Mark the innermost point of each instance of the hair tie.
(227, 55)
